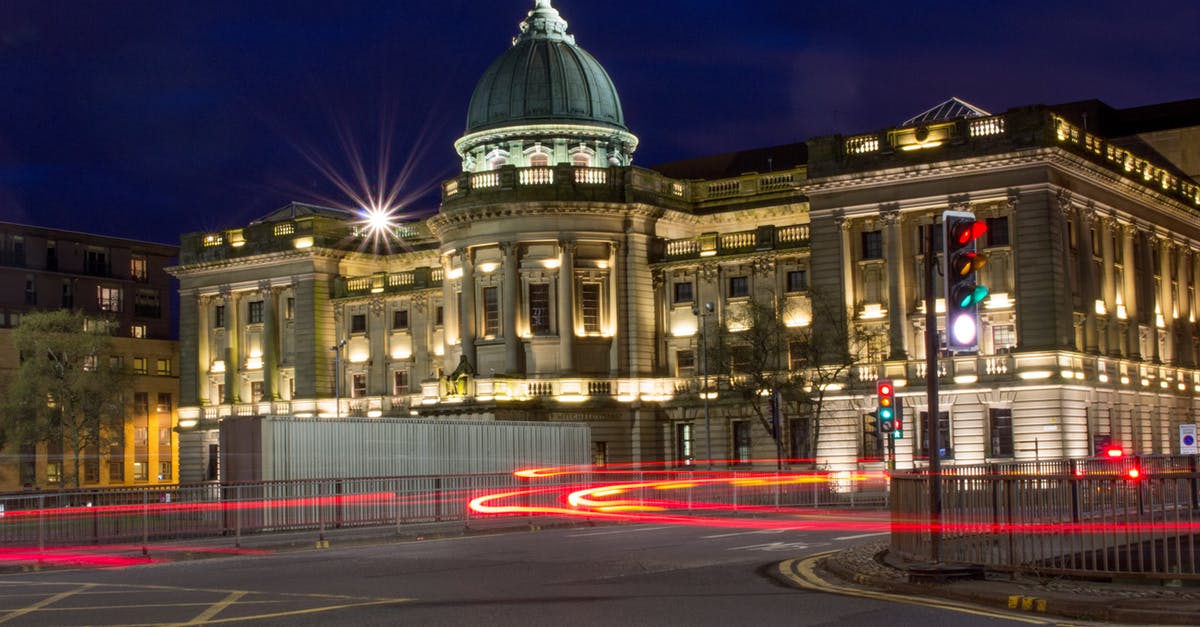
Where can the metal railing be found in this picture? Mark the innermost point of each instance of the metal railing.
(1134, 516)
(108, 516)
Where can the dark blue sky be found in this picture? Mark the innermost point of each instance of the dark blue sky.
(150, 118)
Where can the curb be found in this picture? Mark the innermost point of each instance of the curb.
(1091, 608)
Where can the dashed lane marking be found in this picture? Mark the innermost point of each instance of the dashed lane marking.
(864, 535)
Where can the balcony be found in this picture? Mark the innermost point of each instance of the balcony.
(765, 238)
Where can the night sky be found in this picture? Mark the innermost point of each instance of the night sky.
(148, 119)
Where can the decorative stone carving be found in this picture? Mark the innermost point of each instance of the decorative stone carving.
(376, 307)
(419, 302)
(658, 278)
(708, 271)
(763, 265)
(1064, 202)
(889, 214)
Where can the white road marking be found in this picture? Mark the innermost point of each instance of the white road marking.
(864, 535)
(774, 546)
(611, 532)
(746, 533)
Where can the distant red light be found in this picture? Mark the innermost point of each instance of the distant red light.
(1114, 452)
(1134, 473)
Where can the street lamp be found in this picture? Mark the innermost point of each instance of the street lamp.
(702, 316)
(337, 378)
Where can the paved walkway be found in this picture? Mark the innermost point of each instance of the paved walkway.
(868, 565)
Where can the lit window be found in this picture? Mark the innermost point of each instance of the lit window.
(539, 159)
(164, 403)
(164, 471)
(1004, 338)
(256, 312)
(581, 160)
(589, 297)
(137, 268)
(1001, 431)
(138, 331)
(141, 471)
(289, 308)
(139, 436)
(141, 404)
(685, 364)
(108, 298)
(141, 365)
(164, 368)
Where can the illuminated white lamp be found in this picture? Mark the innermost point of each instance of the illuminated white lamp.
(1145, 382)
(187, 423)
(488, 267)
(374, 413)
(454, 273)
(551, 263)
(965, 329)
(401, 352)
(997, 300)
(1124, 380)
(218, 366)
(899, 383)
(570, 398)
(1122, 313)
(602, 264)
(302, 242)
(872, 311)
(1101, 309)
(1068, 374)
(911, 147)
(1103, 377)
(966, 378)
(712, 396)
(629, 398)
(1079, 375)
(1162, 384)
(413, 412)
(708, 253)
(254, 363)
(1182, 386)
(1035, 374)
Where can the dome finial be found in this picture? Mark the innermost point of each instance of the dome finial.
(544, 22)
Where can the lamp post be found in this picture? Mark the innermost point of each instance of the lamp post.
(702, 316)
(337, 378)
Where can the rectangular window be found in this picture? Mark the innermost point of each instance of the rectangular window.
(797, 351)
(164, 436)
(138, 331)
(684, 439)
(799, 438)
(685, 364)
(54, 472)
(90, 363)
(399, 319)
(164, 471)
(289, 309)
(256, 391)
(944, 443)
(539, 308)
(141, 365)
(1004, 338)
(137, 268)
(997, 231)
(146, 304)
(68, 294)
(599, 453)
(141, 471)
(256, 312)
(116, 362)
(491, 312)
(358, 323)
(18, 243)
(163, 368)
(219, 317)
(872, 245)
(683, 292)
(95, 263)
(52, 262)
(741, 441)
(589, 297)
(30, 290)
(108, 298)
(139, 436)
(91, 470)
(797, 281)
(164, 402)
(141, 404)
(923, 234)
(739, 286)
(1000, 428)
(439, 316)
(399, 383)
(116, 471)
(358, 387)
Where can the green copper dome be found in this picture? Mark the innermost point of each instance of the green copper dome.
(544, 78)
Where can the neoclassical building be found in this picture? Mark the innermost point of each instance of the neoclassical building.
(559, 282)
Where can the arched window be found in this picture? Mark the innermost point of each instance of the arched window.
(539, 160)
(581, 160)
(497, 158)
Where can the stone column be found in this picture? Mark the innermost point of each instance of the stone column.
(270, 359)
(566, 306)
(1108, 291)
(449, 318)
(897, 309)
(1087, 280)
(1129, 288)
(847, 268)
(511, 304)
(1146, 276)
(233, 356)
(469, 328)
(377, 358)
(203, 339)
(1183, 348)
(615, 274)
(1165, 301)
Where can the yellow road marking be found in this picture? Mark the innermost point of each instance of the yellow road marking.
(802, 572)
(216, 608)
(43, 603)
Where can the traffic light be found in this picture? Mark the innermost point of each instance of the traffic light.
(885, 411)
(960, 263)
(898, 419)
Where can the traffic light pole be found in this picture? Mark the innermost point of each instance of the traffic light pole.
(931, 385)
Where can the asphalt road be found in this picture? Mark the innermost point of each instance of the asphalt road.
(608, 575)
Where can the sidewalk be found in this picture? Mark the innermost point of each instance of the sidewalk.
(868, 565)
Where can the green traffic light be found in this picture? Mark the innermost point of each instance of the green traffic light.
(974, 296)
(885, 413)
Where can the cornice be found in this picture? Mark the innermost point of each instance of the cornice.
(446, 222)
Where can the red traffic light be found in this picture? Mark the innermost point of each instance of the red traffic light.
(966, 232)
(884, 388)
(1113, 452)
(1133, 473)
